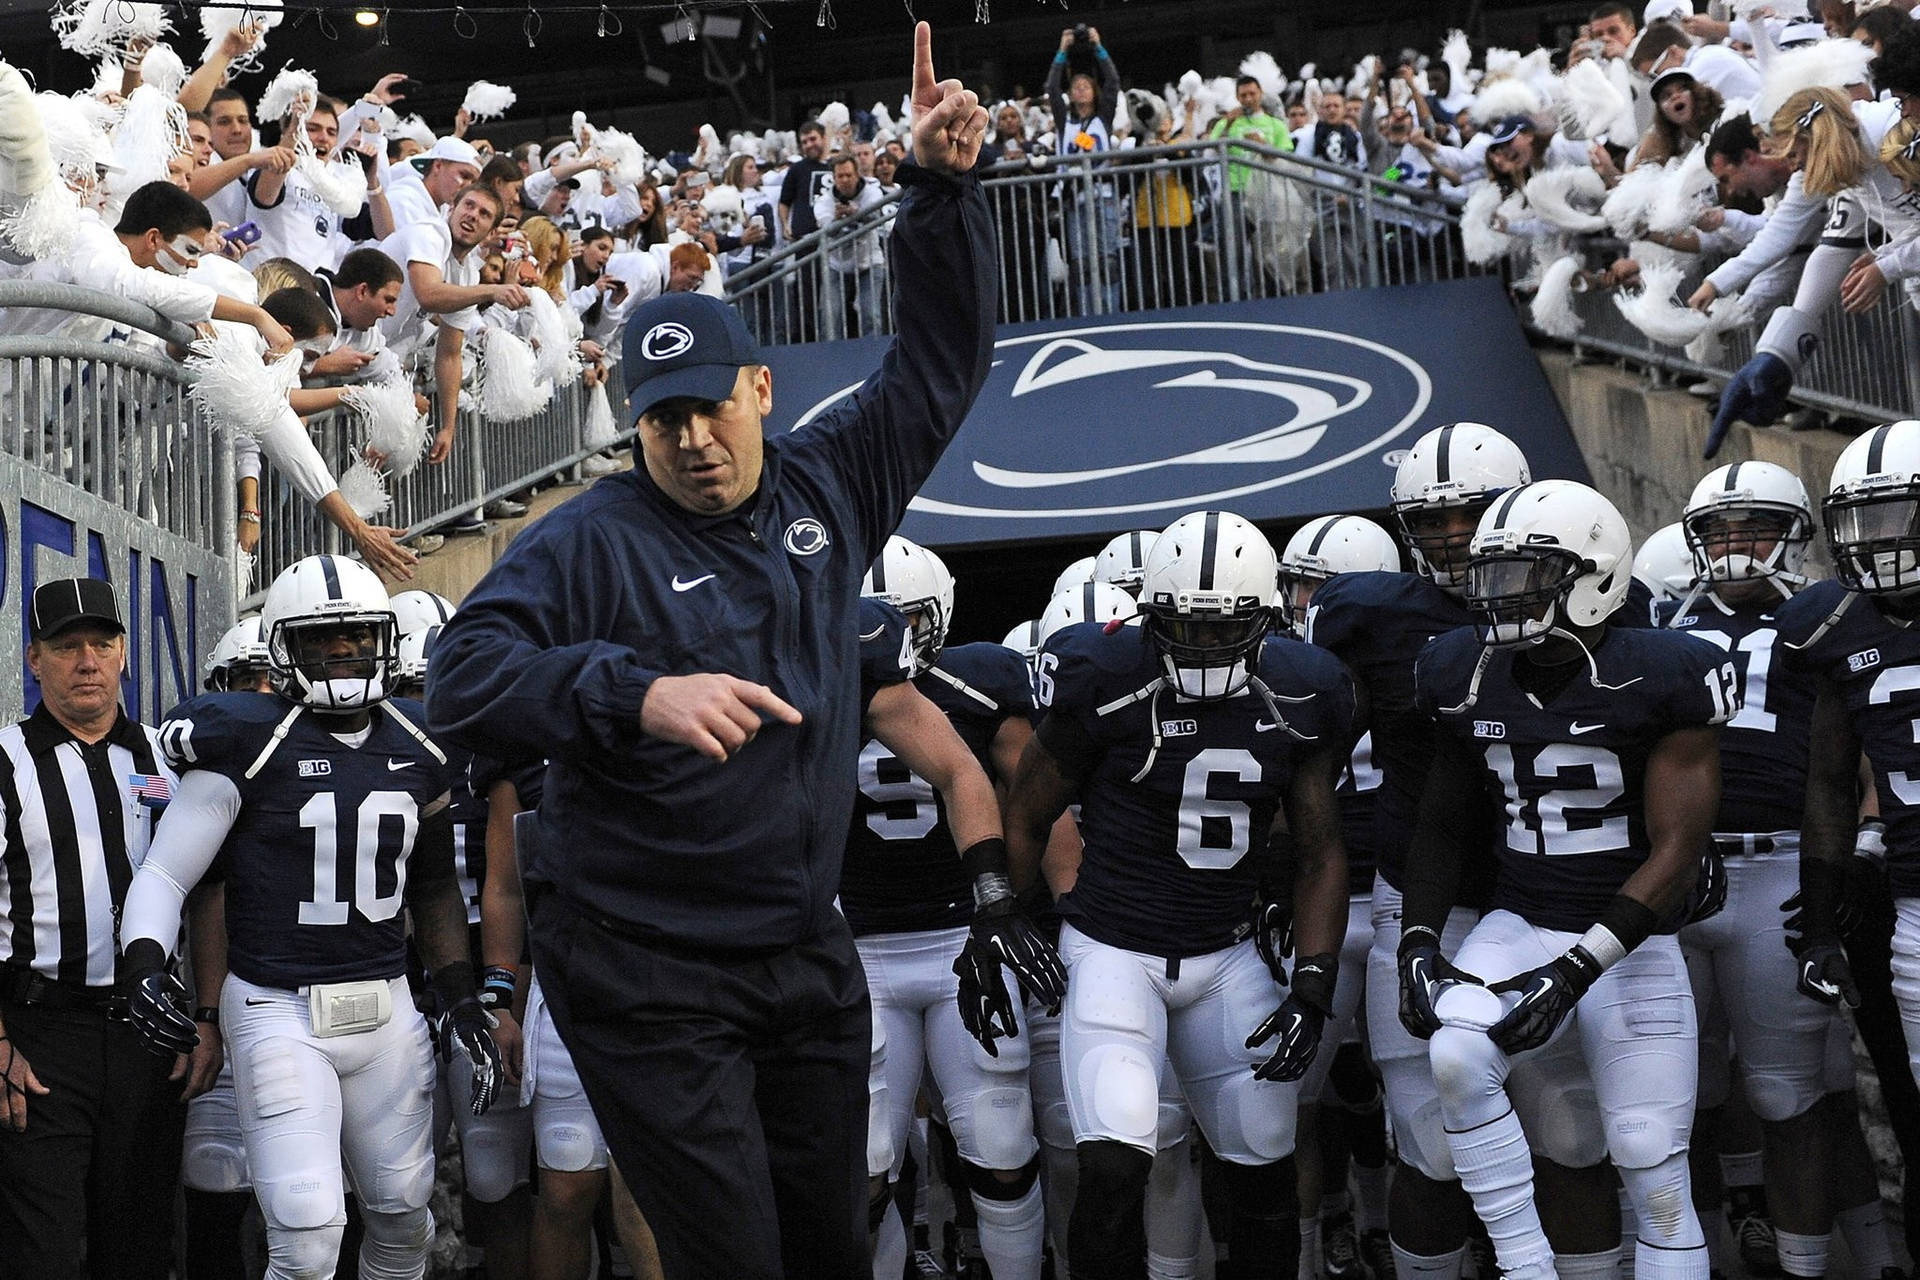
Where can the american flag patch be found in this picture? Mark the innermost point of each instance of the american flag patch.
(150, 789)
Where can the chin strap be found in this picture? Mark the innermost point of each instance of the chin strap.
(1153, 716)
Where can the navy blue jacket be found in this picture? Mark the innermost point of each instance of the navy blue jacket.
(553, 653)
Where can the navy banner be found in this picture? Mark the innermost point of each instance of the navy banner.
(1277, 410)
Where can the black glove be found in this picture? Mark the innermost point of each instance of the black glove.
(1273, 936)
(983, 996)
(1825, 974)
(1003, 931)
(1756, 394)
(1709, 896)
(156, 1000)
(1298, 1022)
(468, 1025)
(1422, 970)
(1547, 996)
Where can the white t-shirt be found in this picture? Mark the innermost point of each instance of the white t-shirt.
(299, 225)
(408, 328)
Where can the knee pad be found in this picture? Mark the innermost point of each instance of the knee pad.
(214, 1163)
(494, 1156)
(1663, 1203)
(307, 1253)
(303, 1200)
(1637, 1140)
(570, 1147)
(994, 1129)
(983, 1182)
(1123, 1091)
(1467, 1066)
(1777, 1097)
(408, 1231)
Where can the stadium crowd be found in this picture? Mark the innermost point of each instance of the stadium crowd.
(333, 253)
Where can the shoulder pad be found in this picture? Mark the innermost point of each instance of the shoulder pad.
(886, 644)
(220, 731)
(993, 670)
(1802, 621)
(1089, 666)
(1444, 667)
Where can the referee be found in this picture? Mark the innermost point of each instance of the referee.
(89, 1127)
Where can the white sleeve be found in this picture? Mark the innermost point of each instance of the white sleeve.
(246, 457)
(622, 207)
(290, 449)
(1787, 227)
(350, 119)
(538, 186)
(1901, 259)
(191, 831)
(823, 206)
(174, 297)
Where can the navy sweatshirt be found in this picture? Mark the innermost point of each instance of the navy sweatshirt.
(553, 652)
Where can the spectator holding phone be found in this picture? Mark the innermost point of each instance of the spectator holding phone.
(1090, 204)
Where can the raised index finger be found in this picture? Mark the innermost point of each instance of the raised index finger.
(922, 61)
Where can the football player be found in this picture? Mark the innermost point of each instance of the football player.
(330, 1058)
(1184, 738)
(1377, 623)
(1318, 551)
(1747, 526)
(239, 660)
(1123, 561)
(907, 889)
(1854, 638)
(1601, 743)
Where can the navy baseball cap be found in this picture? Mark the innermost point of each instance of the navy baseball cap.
(683, 344)
(1508, 129)
(62, 604)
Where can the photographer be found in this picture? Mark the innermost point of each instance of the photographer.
(856, 263)
(1089, 207)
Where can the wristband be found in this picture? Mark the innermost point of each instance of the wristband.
(251, 517)
(1870, 842)
(990, 888)
(1630, 922)
(1602, 947)
(1314, 980)
(1407, 933)
(207, 1013)
(985, 857)
(496, 988)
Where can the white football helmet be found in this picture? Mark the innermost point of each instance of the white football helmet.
(318, 600)
(1322, 547)
(411, 661)
(238, 659)
(1872, 511)
(1088, 602)
(1665, 563)
(915, 581)
(1207, 597)
(416, 610)
(1742, 503)
(1124, 559)
(1545, 557)
(1460, 466)
(1024, 640)
(1073, 575)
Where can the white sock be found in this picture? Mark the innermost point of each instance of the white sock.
(1629, 1233)
(1174, 1217)
(1309, 1249)
(1588, 1266)
(1865, 1228)
(890, 1247)
(1416, 1266)
(1011, 1233)
(1742, 1169)
(1496, 1168)
(1651, 1262)
(1370, 1202)
(1802, 1255)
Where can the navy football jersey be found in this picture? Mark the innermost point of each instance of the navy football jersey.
(1763, 749)
(1171, 861)
(886, 647)
(1358, 793)
(902, 872)
(1377, 623)
(1875, 666)
(1571, 772)
(318, 859)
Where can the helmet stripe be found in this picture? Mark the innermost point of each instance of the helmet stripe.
(1875, 448)
(1133, 543)
(332, 576)
(1443, 455)
(880, 572)
(1086, 601)
(1506, 505)
(1320, 537)
(1733, 477)
(1209, 544)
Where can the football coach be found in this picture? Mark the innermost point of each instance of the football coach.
(681, 643)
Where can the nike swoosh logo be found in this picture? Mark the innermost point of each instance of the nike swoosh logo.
(393, 765)
(874, 634)
(252, 1003)
(1261, 726)
(1576, 728)
(688, 586)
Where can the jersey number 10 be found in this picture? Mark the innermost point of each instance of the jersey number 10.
(369, 852)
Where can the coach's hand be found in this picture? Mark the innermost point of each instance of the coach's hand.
(1299, 1021)
(17, 1083)
(714, 714)
(1423, 971)
(949, 123)
(1547, 996)
(470, 1026)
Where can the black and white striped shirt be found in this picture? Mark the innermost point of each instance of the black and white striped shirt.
(72, 830)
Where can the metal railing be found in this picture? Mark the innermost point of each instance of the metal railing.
(1120, 231)
(1867, 366)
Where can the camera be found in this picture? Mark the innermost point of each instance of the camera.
(1081, 36)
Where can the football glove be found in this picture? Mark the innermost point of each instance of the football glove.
(157, 1006)
(1825, 974)
(1273, 936)
(469, 1026)
(1423, 972)
(1297, 1024)
(983, 997)
(1547, 996)
(1709, 896)
(1002, 930)
(1757, 394)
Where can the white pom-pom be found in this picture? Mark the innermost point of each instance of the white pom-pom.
(629, 158)
(365, 490)
(510, 389)
(1686, 191)
(42, 226)
(883, 120)
(486, 100)
(290, 90)
(1589, 99)
(1361, 82)
(555, 358)
(1627, 204)
(1553, 312)
(417, 129)
(582, 131)
(94, 27)
(599, 431)
(341, 185)
(1568, 197)
(1503, 98)
(143, 139)
(1830, 64)
(216, 22)
(1261, 66)
(161, 67)
(1656, 312)
(1458, 55)
(395, 430)
(1501, 62)
(1484, 245)
(233, 387)
(834, 117)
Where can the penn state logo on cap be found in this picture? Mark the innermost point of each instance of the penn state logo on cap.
(666, 340)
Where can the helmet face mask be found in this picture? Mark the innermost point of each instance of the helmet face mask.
(334, 662)
(1297, 586)
(1518, 597)
(1440, 538)
(1445, 483)
(1207, 595)
(917, 583)
(929, 631)
(1208, 654)
(1744, 543)
(1874, 535)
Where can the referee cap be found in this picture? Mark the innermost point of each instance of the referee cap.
(63, 603)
